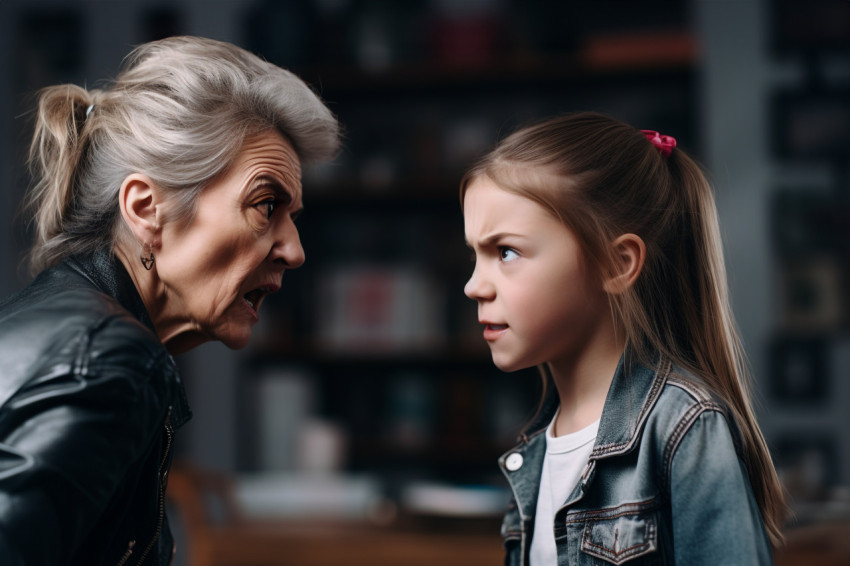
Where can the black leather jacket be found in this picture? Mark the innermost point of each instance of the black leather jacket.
(89, 401)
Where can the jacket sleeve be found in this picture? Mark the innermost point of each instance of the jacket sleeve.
(67, 441)
(716, 519)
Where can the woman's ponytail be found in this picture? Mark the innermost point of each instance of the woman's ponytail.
(54, 160)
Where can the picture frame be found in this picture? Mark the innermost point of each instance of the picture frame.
(805, 221)
(813, 26)
(799, 370)
(808, 463)
(811, 125)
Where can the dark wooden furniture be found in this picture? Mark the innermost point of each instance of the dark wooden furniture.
(231, 539)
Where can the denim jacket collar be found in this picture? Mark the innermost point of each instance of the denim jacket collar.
(633, 392)
(630, 398)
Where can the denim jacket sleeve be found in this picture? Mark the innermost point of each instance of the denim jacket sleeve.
(716, 519)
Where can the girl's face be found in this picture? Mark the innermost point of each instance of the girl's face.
(218, 269)
(538, 301)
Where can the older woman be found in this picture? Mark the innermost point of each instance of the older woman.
(164, 210)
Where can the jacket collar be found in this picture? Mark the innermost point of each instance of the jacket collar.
(633, 392)
(109, 275)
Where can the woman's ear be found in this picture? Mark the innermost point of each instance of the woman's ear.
(138, 200)
(630, 254)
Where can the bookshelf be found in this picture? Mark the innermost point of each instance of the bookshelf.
(381, 340)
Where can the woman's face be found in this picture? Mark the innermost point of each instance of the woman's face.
(216, 270)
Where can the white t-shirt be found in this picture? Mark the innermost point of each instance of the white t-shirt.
(565, 460)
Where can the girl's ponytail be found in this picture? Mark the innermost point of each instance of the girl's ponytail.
(715, 346)
(54, 160)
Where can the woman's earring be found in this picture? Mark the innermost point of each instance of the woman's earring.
(147, 261)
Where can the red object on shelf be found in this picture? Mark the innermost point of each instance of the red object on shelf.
(639, 49)
(465, 42)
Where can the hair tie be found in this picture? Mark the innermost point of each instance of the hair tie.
(665, 144)
(89, 109)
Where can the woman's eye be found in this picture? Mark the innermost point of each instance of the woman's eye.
(507, 254)
(269, 205)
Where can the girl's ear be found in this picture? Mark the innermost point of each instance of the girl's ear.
(630, 254)
(138, 200)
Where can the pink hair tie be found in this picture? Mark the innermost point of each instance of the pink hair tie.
(665, 144)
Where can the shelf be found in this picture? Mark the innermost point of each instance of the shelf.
(412, 192)
(268, 354)
(599, 61)
(383, 342)
(470, 456)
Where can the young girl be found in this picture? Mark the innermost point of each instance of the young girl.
(598, 259)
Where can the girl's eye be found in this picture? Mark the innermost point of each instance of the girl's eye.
(269, 205)
(507, 254)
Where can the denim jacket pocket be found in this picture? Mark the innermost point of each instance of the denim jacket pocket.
(622, 538)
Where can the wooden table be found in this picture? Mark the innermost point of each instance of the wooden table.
(233, 540)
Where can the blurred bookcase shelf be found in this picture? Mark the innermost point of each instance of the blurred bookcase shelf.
(382, 344)
(519, 72)
(373, 336)
(809, 344)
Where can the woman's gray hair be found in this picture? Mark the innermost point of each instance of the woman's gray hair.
(179, 113)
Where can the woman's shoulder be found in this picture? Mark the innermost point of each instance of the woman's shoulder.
(60, 297)
(61, 318)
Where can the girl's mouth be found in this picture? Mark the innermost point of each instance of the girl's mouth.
(493, 331)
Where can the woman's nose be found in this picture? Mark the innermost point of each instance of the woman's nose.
(287, 248)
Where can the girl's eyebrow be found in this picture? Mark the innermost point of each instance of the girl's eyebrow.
(493, 238)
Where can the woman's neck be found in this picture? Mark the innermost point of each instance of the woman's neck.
(175, 333)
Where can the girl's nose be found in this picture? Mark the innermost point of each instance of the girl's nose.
(477, 288)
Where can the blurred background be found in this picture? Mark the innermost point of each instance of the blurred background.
(363, 423)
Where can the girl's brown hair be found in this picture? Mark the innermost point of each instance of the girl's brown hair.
(603, 178)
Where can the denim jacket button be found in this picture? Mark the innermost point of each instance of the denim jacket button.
(513, 462)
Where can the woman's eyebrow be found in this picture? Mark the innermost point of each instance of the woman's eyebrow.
(283, 192)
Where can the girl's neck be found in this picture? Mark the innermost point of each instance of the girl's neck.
(583, 380)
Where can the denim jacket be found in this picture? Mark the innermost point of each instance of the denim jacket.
(665, 483)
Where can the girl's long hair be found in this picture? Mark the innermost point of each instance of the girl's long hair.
(603, 178)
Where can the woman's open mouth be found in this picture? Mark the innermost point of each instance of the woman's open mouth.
(254, 297)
